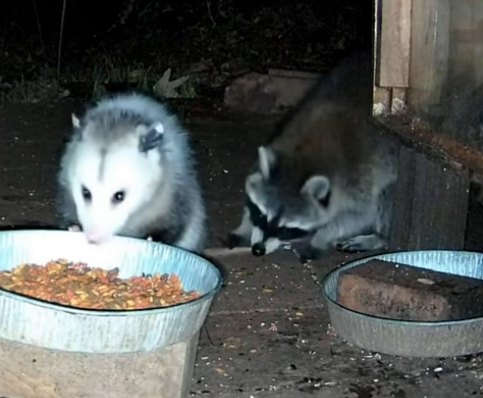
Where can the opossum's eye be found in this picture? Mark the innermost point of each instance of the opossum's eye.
(118, 197)
(86, 194)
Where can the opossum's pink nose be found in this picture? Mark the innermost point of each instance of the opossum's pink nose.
(96, 237)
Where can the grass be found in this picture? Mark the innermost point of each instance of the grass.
(106, 75)
(212, 43)
(30, 91)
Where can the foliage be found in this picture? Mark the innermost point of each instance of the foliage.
(132, 43)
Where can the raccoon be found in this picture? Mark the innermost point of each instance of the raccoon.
(129, 170)
(327, 175)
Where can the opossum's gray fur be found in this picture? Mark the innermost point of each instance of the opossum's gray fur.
(327, 173)
(176, 213)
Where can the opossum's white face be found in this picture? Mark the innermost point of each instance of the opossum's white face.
(109, 186)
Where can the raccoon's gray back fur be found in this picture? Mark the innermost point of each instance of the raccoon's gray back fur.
(331, 135)
(331, 129)
(174, 212)
(351, 152)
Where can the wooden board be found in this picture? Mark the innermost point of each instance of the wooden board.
(466, 44)
(415, 133)
(430, 207)
(429, 51)
(395, 43)
(32, 372)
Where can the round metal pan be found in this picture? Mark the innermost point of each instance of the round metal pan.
(407, 338)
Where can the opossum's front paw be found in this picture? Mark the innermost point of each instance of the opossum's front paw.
(74, 228)
(309, 253)
(233, 240)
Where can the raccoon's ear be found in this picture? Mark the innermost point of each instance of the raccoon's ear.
(151, 138)
(266, 161)
(317, 187)
(75, 120)
(253, 182)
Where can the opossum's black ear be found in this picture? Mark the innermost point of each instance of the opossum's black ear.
(152, 138)
(317, 187)
(266, 161)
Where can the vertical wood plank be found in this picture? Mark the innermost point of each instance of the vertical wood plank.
(403, 204)
(429, 52)
(430, 207)
(461, 32)
(477, 9)
(381, 101)
(376, 51)
(395, 43)
(466, 47)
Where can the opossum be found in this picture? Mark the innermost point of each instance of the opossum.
(129, 170)
(327, 175)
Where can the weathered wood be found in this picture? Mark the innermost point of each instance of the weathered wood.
(398, 100)
(395, 43)
(430, 207)
(429, 52)
(444, 39)
(416, 134)
(392, 22)
(466, 44)
(461, 54)
(477, 39)
(224, 252)
(381, 102)
(31, 372)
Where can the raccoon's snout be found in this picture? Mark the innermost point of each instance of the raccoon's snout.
(258, 249)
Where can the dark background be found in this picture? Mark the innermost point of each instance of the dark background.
(105, 41)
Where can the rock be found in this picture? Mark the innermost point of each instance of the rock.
(268, 93)
(397, 291)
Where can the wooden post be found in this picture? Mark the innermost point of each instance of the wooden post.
(466, 44)
(419, 46)
(392, 31)
(429, 52)
(395, 40)
(430, 207)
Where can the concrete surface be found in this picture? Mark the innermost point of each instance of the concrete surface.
(268, 334)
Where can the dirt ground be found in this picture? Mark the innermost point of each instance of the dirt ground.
(268, 332)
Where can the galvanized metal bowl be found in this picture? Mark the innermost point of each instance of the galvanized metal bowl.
(406, 338)
(58, 327)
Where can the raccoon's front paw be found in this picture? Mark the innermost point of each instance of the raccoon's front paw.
(74, 228)
(233, 240)
(344, 247)
(354, 245)
(309, 253)
(361, 243)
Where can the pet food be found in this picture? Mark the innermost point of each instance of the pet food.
(77, 285)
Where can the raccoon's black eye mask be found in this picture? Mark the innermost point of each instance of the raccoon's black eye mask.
(273, 228)
(257, 218)
(287, 234)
